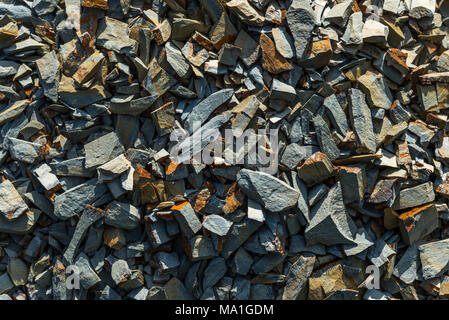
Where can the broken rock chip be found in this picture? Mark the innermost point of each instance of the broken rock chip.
(301, 21)
(12, 204)
(274, 194)
(418, 223)
(204, 109)
(217, 224)
(434, 258)
(72, 201)
(273, 61)
(102, 150)
(316, 168)
(330, 223)
(122, 215)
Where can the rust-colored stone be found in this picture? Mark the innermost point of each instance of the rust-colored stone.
(273, 61)
(99, 4)
(234, 199)
(201, 199)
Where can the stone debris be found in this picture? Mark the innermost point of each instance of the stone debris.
(116, 157)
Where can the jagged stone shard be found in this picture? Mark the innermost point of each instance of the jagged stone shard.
(88, 218)
(353, 182)
(434, 258)
(418, 223)
(73, 201)
(330, 223)
(301, 21)
(238, 234)
(274, 194)
(49, 72)
(316, 168)
(415, 196)
(361, 121)
(187, 219)
(12, 205)
(297, 277)
(216, 224)
(204, 109)
(113, 35)
(102, 150)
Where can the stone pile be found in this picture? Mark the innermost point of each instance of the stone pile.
(354, 99)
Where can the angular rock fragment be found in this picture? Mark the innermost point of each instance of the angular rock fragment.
(434, 257)
(204, 109)
(353, 182)
(376, 90)
(297, 277)
(272, 193)
(301, 21)
(216, 224)
(361, 121)
(102, 150)
(273, 62)
(187, 219)
(417, 223)
(122, 215)
(330, 224)
(49, 73)
(250, 48)
(72, 201)
(415, 196)
(315, 169)
(88, 217)
(324, 138)
(113, 35)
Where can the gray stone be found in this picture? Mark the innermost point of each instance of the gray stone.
(361, 121)
(88, 218)
(274, 194)
(187, 219)
(12, 205)
(250, 48)
(434, 258)
(176, 60)
(284, 42)
(330, 223)
(204, 109)
(297, 277)
(5, 283)
(407, 267)
(324, 137)
(376, 90)
(214, 271)
(122, 215)
(339, 13)
(18, 271)
(414, 196)
(88, 277)
(301, 22)
(353, 33)
(216, 224)
(75, 199)
(113, 35)
(49, 73)
(102, 150)
(239, 233)
(316, 168)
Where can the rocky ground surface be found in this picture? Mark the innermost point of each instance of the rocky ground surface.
(355, 92)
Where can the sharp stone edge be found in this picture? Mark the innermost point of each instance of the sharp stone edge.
(91, 90)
